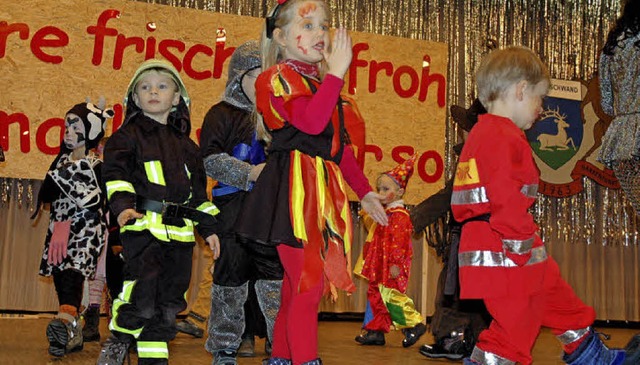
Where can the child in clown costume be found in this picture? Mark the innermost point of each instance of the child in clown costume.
(386, 264)
(77, 227)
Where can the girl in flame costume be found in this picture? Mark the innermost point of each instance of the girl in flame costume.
(299, 201)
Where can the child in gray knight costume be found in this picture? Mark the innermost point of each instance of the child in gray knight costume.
(234, 158)
(620, 88)
(77, 227)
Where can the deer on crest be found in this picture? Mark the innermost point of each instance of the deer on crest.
(559, 140)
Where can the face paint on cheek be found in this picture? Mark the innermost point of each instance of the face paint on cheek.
(307, 8)
(302, 49)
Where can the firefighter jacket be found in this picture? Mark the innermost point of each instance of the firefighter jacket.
(496, 183)
(161, 163)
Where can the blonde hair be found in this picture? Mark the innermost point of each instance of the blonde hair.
(502, 68)
(271, 52)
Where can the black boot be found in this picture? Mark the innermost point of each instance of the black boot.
(413, 334)
(91, 329)
(114, 352)
(373, 338)
(454, 347)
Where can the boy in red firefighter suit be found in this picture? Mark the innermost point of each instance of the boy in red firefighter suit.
(386, 264)
(502, 259)
(156, 187)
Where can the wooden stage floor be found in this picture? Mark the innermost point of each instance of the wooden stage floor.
(23, 341)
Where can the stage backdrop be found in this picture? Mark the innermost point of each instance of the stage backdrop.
(55, 54)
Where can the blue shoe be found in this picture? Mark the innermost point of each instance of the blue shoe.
(276, 361)
(593, 352)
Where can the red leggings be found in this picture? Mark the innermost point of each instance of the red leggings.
(295, 334)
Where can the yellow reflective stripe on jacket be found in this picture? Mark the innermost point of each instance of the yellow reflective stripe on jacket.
(152, 349)
(154, 172)
(209, 208)
(115, 186)
(123, 298)
(186, 169)
(152, 222)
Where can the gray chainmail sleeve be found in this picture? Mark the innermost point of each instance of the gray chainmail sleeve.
(606, 93)
(228, 170)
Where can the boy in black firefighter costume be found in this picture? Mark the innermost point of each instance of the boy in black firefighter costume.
(156, 187)
(234, 158)
(77, 227)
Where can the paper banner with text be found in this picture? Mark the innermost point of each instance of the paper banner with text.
(567, 138)
(54, 54)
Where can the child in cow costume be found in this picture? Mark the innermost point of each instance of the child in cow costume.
(77, 228)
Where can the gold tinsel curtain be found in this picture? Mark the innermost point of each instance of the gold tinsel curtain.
(593, 235)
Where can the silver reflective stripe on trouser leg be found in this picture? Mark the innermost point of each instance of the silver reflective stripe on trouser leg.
(488, 358)
(268, 293)
(572, 336)
(226, 321)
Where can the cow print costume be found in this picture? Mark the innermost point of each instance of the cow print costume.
(73, 187)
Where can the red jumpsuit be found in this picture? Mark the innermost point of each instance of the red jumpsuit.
(388, 246)
(502, 259)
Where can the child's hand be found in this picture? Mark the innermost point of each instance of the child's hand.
(394, 270)
(372, 205)
(339, 59)
(333, 293)
(214, 245)
(255, 172)
(58, 242)
(127, 215)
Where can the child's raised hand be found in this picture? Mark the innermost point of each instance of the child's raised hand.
(339, 58)
(372, 205)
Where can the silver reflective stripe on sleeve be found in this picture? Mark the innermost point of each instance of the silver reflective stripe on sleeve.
(572, 336)
(498, 259)
(469, 196)
(530, 191)
(519, 247)
(489, 358)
